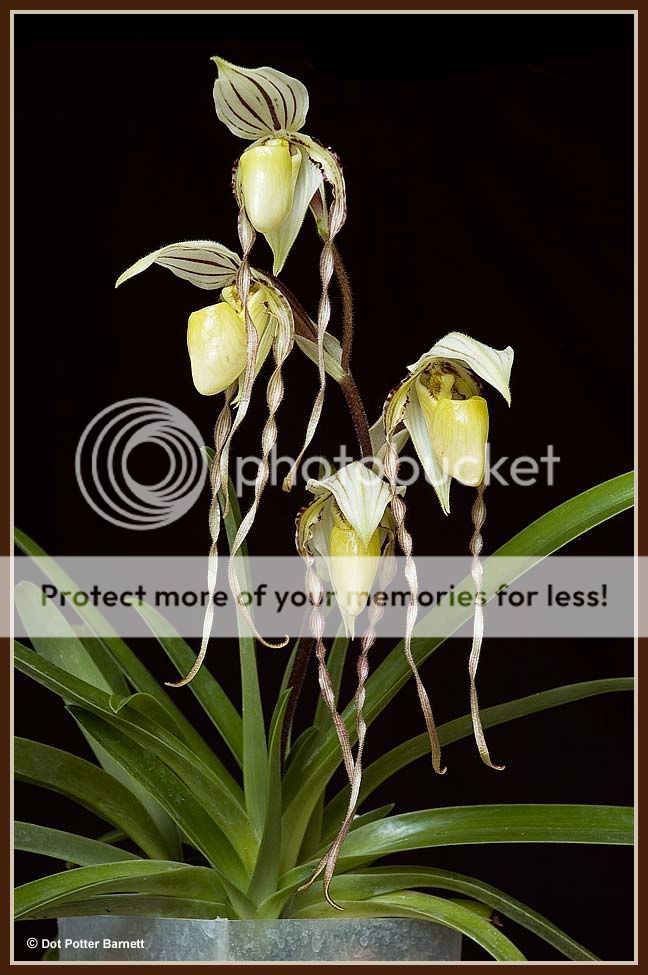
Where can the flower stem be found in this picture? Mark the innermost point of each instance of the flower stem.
(305, 327)
(347, 308)
(296, 682)
(358, 414)
(348, 384)
(303, 324)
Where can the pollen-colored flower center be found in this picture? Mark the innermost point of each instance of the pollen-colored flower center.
(442, 382)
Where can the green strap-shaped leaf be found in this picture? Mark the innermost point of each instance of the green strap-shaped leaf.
(132, 876)
(89, 661)
(164, 823)
(134, 905)
(70, 847)
(463, 825)
(459, 825)
(409, 903)
(266, 871)
(208, 692)
(255, 748)
(54, 639)
(112, 674)
(532, 823)
(219, 800)
(377, 881)
(304, 783)
(128, 662)
(362, 819)
(273, 906)
(180, 803)
(308, 734)
(400, 756)
(71, 647)
(287, 673)
(158, 883)
(150, 708)
(91, 787)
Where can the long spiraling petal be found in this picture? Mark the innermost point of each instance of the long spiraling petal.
(477, 573)
(282, 346)
(336, 216)
(315, 592)
(328, 862)
(221, 432)
(398, 510)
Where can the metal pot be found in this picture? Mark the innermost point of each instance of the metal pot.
(110, 938)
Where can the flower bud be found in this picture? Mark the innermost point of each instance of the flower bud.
(353, 565)
(268, 176)
(458, 430)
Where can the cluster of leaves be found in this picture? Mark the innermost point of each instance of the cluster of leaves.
(188, 839)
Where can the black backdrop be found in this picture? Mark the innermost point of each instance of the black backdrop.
(489, 167)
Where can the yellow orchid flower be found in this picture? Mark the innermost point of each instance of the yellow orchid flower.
(282, 172)
(441, 407)
(217, 343)
(345, 528)
(268, 176)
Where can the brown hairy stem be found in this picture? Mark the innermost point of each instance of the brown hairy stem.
(349, 388)
(303, 324)
(347, 308)
(358, 414)
(305, 327)
(296, 680)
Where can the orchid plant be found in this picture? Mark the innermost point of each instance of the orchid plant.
(187, 838)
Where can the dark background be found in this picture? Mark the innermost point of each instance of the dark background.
(488, 161)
